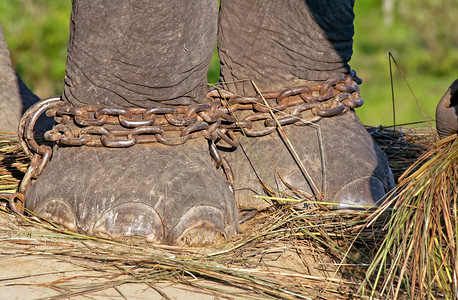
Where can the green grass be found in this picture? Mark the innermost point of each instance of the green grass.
(378, 107)
(37, 35)
(428, 75)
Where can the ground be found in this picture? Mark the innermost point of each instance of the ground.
(282, 252)
(41, 263)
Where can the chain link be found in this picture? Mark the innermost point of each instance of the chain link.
(39, 154)
(216, 121)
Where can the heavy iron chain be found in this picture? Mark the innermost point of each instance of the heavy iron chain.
(216, 121)
(39, 154)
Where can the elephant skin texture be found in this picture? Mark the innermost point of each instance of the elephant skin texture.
(348, 169)
(15, 96)
(281, 43)
(171, 194)
(139, 53)
(156, 53)
(10, 102)
(447, 112)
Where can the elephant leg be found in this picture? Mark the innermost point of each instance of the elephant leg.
(138, 54)
(447, 112)
(289, 43)
(10, 102)
(15, 96)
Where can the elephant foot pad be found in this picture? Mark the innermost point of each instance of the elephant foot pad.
(158, 194)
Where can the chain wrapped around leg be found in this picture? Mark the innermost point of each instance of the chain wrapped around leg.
(97, 126)
(39, 154)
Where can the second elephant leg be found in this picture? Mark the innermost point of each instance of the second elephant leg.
(289, 43)
(138, 54)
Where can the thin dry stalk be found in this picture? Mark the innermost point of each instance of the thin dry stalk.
(402, 147)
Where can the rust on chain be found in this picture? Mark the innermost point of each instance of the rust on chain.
(228, 111)
(39, 154)
(217, 120)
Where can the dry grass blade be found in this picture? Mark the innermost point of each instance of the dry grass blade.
(402, 147)
(247, 264)
(419, 253)
(13, 163)
(284, 252)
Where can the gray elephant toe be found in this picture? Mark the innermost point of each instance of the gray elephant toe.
(361, 193)
(130, 221)
(58, 211)
(155, 193)
(201, 225)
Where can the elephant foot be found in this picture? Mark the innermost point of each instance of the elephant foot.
(447, 112)
(153, 193)
(341, 158)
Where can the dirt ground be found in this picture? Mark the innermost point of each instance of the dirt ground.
(38, 263)
(44, 263)
(25, 276)
(32, 267)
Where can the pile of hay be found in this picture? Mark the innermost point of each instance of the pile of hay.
(419, 254)
(283, 252)
(13, 165)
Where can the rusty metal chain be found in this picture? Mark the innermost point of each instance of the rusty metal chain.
(216, 121)
(39, 154)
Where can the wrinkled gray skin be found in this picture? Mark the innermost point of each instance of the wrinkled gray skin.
(10, 102)
(15, 97)
(154, 53)
(447, 112)
(279, 44)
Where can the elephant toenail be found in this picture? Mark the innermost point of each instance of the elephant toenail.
(201, 225)
(130, 220)
(361, 193)
(57, 211)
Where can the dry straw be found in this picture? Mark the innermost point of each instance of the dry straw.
(418, 256)
(332, 249)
